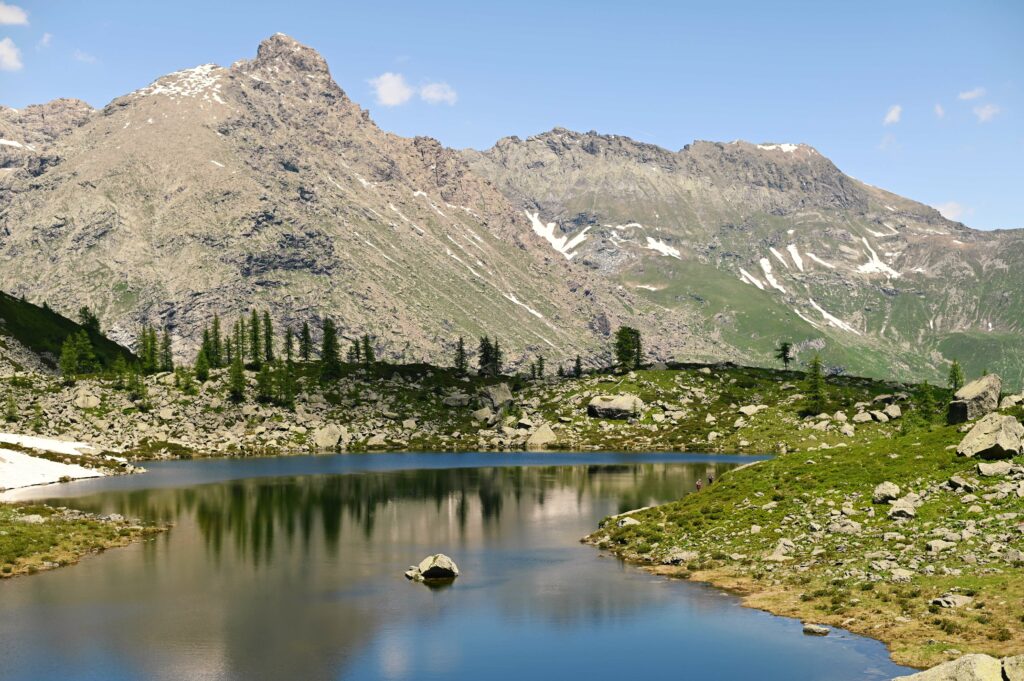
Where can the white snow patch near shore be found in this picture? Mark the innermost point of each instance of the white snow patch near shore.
(832, 319)
(562, 244)
(663, 248)
(795, 254)
(820, 261)
(766, 266)
(874, 265)
(22, 470)
(48, 444)
(750, 279)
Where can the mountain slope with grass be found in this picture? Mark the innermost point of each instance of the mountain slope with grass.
(31, 337)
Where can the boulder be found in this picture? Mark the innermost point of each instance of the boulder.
(752, 409)
(84, 399)
(880, 416)
(993, 437)
(409, 424)
(975, 667)
(377, 440)
(885, 492)
(893, 411)
(615, 406)
(435, 568)
(456, 400)
(678, 557)
(862, 417)
(995, 469)
(951, 601)
(626, 522)
(1013, 668)
(483, 414)
(498, 395)
(901, 508)
(328, 437)
(541, 438)
(975, 399)
(815, 629)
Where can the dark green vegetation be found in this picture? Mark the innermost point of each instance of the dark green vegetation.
(44, 332)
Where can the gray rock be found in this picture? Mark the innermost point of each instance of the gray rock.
(902, 508)
(541, 438)
(879, 416)
(951, 601)
(615, 406)
(995, 469)
(815, 629)
(993, 437)
(939, 545)
(456, 400)
(498, 395)
(752, 409)
(1013, 668)
(975, 667)
(626, 522)
(893, 411)
(483, 414)
(885, 492)
(862, 417)
(84, 399)
(328, 437)
(680, 557)
(435, 568)
(975, 399)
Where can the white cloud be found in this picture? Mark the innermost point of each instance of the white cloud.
(10, 56)
(951, 210)
(391, 89)
(12, 15)
(79, 55)
(439, 93)
(45, 41)
(893, 115)
(940, 112)
(972, 94)
(986, 112)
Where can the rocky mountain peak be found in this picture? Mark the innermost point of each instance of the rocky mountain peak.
(280, 50)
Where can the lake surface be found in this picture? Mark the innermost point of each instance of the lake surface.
(291, 568)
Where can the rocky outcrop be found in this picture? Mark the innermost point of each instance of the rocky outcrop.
(885, 492)
(541, 438)
(328, 437)
(498, 396)
(996, 436)
(969, 668)
(435, 568)
(975, 399)
(615, 406)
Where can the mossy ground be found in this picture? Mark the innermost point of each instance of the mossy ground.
(63, 537)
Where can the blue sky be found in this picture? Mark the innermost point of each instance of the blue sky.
(922, 98)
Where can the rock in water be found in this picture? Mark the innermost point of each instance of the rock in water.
(615, 406)
(993, 437)
(435, 568)
(967, 668)
(975, 399)
(816, 630)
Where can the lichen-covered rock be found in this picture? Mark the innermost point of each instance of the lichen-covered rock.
(975, 399)
(994, 437)
(541, 438)
(967, 668)
(437, 567)
(885, 492)
(615, 406)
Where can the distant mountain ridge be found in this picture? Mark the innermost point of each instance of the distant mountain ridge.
(215, 189)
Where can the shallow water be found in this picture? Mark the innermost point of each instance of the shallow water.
(291, 568)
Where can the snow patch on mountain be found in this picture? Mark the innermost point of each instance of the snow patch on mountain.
(874, 265)
(820, 261)
(662, 247)
(832, 319)
(750, 279)
(795, 254)
(778, 256)
(201, 82)
(766, 266)
(562, 244)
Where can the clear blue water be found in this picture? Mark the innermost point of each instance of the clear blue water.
(291, 568)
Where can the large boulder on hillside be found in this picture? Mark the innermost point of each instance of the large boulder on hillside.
(885, 492)
(994, 437)
(541, 438)
(615, 406)
(435, 568)
(85, 399)
(967, 668)
(498, 395)
(328, 437)
(975, 399)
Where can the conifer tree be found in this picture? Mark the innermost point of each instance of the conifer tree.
(461, 363)
(255, 340)
(815, 396)
(202, 366)
(120, 372)
(268, 338)
(577, 367)
(216, 354)
(540, 366)
(485, 356)
(89, 321)
(330, 359)
(305, 342)
(628, 348)
(927, 403)
(497, 360)
(68, 362)
(561, 371)
(784, 353)
(368, 355)
(166, 354)
(236, 379)
(265, 384)
(289, 344)
(956, 376)
(10, 409)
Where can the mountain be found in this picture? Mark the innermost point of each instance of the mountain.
(216, 189)
(772, 241)
(213, 190)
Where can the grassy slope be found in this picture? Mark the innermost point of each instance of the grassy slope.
(43, 331)
(834, 578)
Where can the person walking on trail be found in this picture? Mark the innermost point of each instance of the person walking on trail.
(711, 479)
(698, 484)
